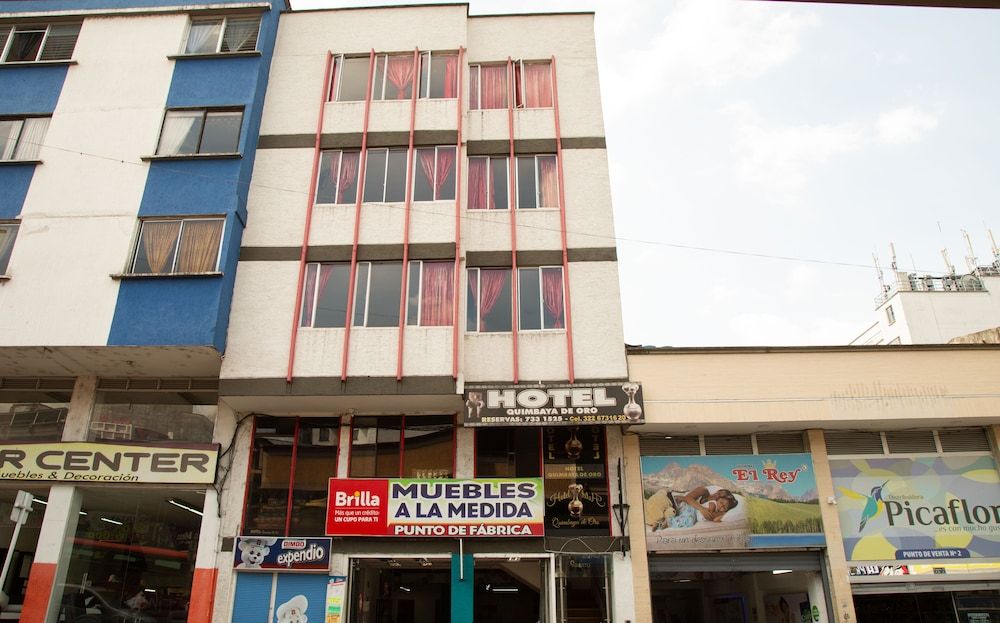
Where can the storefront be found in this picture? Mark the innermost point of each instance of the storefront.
(922, 536)
(733, 539)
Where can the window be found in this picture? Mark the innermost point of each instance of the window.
(393, 76)
(200, 131)
(537, 182)
(324, 301)
(38, 42)
(385, 175)
(22, 138)
(488, 183)
(540, 299)
(222, 34)
(890, 315)
(508, 452)
(434, 175)
(488, 306)
(403, 447)
(338, 177)
(314, 442)
(430, 299)
(488, 87)
(178, 246)
(533, 84)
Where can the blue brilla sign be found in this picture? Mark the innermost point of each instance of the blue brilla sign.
(271, 553)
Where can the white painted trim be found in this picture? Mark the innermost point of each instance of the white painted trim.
(139, 10)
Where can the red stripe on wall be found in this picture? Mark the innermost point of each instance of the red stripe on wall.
(36, 597)
(202, 595)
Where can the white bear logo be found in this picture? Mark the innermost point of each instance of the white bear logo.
(293, 610)
(253, 551)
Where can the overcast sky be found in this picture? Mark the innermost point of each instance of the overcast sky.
(796, 130)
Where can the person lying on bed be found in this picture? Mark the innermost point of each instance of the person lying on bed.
(701, 504)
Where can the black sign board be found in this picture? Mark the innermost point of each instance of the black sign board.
(553, 405)
(577, 500)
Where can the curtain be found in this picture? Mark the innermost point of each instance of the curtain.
(400, 74)
(493, 79)
(548, 182)
(537, 85)
(202, 37)
(552, 296)
(240, 35)
(445, 158)
(158, 240)
(437, 291)
(199, 249)
(492, 281)
(478, 171)
(450, 75)
(177, 126)
(32, 135)
(348, 174)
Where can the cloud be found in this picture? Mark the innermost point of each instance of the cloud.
(907, 124)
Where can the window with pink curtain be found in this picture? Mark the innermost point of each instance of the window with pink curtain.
(434, 178)
(431, 294)
(338, 177)
(488, 87)
(534, 84)
(490, 300)
(488, 183)
(438, 75)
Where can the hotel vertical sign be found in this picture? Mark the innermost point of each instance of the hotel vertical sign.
(553, 405)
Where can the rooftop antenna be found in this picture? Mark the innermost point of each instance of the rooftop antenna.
(970, 260)
(881, 278)
(947, 263)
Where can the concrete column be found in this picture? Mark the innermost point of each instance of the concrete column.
(81, 407)
(55, 544)
(840, 584)
(637, 529)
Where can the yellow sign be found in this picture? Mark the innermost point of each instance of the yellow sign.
(109, 462)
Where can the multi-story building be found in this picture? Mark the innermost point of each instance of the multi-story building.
(816, 483)
(128, 130)
(425, 350)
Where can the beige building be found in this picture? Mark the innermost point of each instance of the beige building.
(864, 480)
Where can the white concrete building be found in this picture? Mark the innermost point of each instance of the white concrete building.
(429, 234)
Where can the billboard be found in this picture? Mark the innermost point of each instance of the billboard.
(935, 508)
(484, 507)
(553, 405)
(730, 502)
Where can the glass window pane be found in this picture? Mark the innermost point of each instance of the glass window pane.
(8, 233)
(361, 294)
(331, 295)
(375, 175)
(181, 130)
(157, 247)
(395, 185)
(353, 79)
(494, 300)
(203, 38)
(315, 464)
(413, 295)
(9, 131)
(222, 133)
(24, 45)
(270, 476)
(499, 183)
(428, 449)
(526, 182)
(472, 300)
(553, 307)
(530, 316)
(383, 294)
(423, 175)
(329, 172)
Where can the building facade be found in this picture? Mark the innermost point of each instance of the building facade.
(425, 367)
(128, 131)
(838, 483)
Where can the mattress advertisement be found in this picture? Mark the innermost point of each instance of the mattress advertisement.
(748, 501)
(934, 508)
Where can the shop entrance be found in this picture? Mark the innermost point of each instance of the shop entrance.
(746, 588)
(411, 590)
(929, 606)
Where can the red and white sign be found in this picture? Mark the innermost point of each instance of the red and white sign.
(484, 507)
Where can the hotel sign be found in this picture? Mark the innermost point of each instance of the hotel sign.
(84, 462)
(553, 405)
(484, 507)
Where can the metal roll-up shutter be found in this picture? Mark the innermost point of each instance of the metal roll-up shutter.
(722, 563)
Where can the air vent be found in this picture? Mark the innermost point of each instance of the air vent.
(728, 444)
(659, 445)
(907, 441)
(853, 442)
(780, 443)
(964, 440)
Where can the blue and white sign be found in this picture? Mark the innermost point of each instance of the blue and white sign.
(272, 553)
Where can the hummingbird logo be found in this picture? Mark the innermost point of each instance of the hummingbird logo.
(873, 503)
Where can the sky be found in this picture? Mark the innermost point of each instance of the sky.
(761, 152)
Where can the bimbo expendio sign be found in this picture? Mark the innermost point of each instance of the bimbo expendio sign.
(484, 507)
